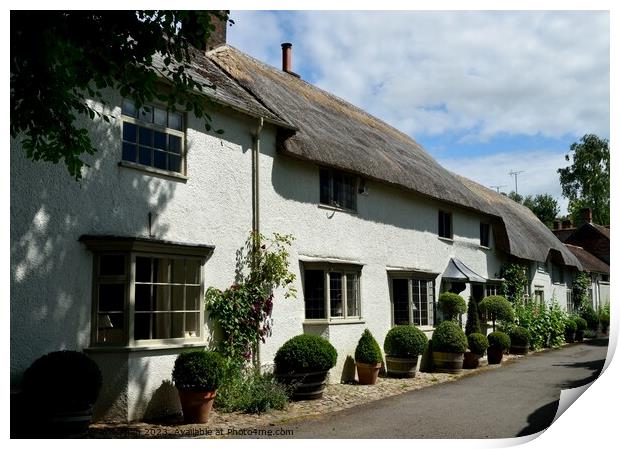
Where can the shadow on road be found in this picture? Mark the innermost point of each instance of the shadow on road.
(596, 366)
(540, 419)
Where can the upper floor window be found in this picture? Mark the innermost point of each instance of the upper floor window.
(332, 292)
(557, 274)
(153, 137)
(445, 224)
(541, 267)
(485, 234)
(338, 189)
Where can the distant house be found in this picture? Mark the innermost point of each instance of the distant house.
(117, 264)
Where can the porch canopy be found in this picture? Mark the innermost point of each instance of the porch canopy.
(457, 271)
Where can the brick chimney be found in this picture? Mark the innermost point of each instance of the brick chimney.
(217, 36)
(287, 59)
(586, 215)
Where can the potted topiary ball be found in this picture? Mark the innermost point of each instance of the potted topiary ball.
(519, 340)
(403, 345)
(499, 342)
(61, 388)
(303, 363)
(570, 327)
(368, 359)
(449, 344)
(581, 328)
(197, 376)
(497, 308)
(451, 305)
(478, 345)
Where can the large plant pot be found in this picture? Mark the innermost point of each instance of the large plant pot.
(569, 336)
(304, 386)
(401, 367)
(448, 362)
(367, 374)
(495, 356)
(196, 405)
(579, 335)
(519, 349)
(471, 360)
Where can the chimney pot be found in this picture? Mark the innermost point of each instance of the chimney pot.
(287, 57)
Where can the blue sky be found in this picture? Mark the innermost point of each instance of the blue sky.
(483, 92)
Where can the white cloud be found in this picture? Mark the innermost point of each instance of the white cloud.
(539, 175)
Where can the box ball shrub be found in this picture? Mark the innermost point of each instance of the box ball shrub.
(519, 336)
(497, 308)
(449, 337)
(305, 354)
(368, 350)
(591, 317)
(581, 324)
(63, 380)
(198, 370)
(405, 341)
(499, 340)
(477, 343)
(570, 325)
(451, 305)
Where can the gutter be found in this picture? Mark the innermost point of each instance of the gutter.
(256, 202)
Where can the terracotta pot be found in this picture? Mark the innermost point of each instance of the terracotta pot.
(471, 360)
(367, 374)
(304, 386)
(495, 355)
(196, 405)
(401, 367)
(519, 349)
(448, 362)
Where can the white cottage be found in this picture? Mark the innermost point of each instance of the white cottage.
(116, 265)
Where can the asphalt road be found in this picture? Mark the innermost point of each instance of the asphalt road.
(518, 399)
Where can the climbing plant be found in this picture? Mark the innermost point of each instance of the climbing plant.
(243, 310)
(515, 282)
(581, 289)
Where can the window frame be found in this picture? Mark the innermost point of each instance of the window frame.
(131, 248)
(570, 305)
(136, 121)
(496, 286)
(346, 270)
(441, 224)
(412, 277)
(331, 179)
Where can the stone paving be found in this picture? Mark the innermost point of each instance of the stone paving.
(336, 397)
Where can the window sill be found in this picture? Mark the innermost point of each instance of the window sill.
(338, 209)
(332, 322)
(486, 248)
(153, 347)
(154, 171)
(446, 239)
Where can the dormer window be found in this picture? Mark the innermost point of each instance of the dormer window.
(338, 189)
(445, 225)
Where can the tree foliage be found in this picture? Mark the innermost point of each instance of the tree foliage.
(59, 59)
(544, 206)
(586, 181)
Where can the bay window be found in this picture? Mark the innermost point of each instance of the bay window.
(332, 292)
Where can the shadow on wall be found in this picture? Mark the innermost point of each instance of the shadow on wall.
(51, 272)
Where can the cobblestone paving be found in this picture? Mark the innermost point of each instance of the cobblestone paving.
(336, 397)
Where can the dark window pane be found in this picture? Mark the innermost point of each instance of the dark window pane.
(352, 295)
(192, 298)
(161, 325)
(175, 121)
(159, 160)
(129, 152)
(110, 327)
(338, 190)
(178, 271)
(176, 300)
(400, 295)
(160, 270)
(175, 163)
(145, 137)
(174, 144)
(177, 326)
(314, 294)
(129, 108)
(111, 297)
(335, 294)
(143, 297)
(161, 297)
(145, 156)
(349, 192)
(192, 271)
(112, 265)
(161, 116)
(324, 181)
(146, 114)
(129, 132)
(160, 140)
(192, 322)
(141, 327)
(143, 269)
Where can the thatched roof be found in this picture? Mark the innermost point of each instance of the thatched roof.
(335, 133)
(589, 262)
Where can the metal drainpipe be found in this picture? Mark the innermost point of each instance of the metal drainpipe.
(256, 202)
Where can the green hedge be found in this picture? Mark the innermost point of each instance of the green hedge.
(198, 370)
(305, 354)
(368, 350)
(477, 343)
(519, 336)
(499, 340)
(582, 324)
(449, 337)
(451, 305)
(405, 341)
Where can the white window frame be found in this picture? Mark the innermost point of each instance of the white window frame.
(431, 305)
(492, 289)
(130, 249)
(160, 128)
(570, 305)
(346, 270)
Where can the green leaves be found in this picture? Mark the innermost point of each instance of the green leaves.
(59, 57)
(586, 181)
